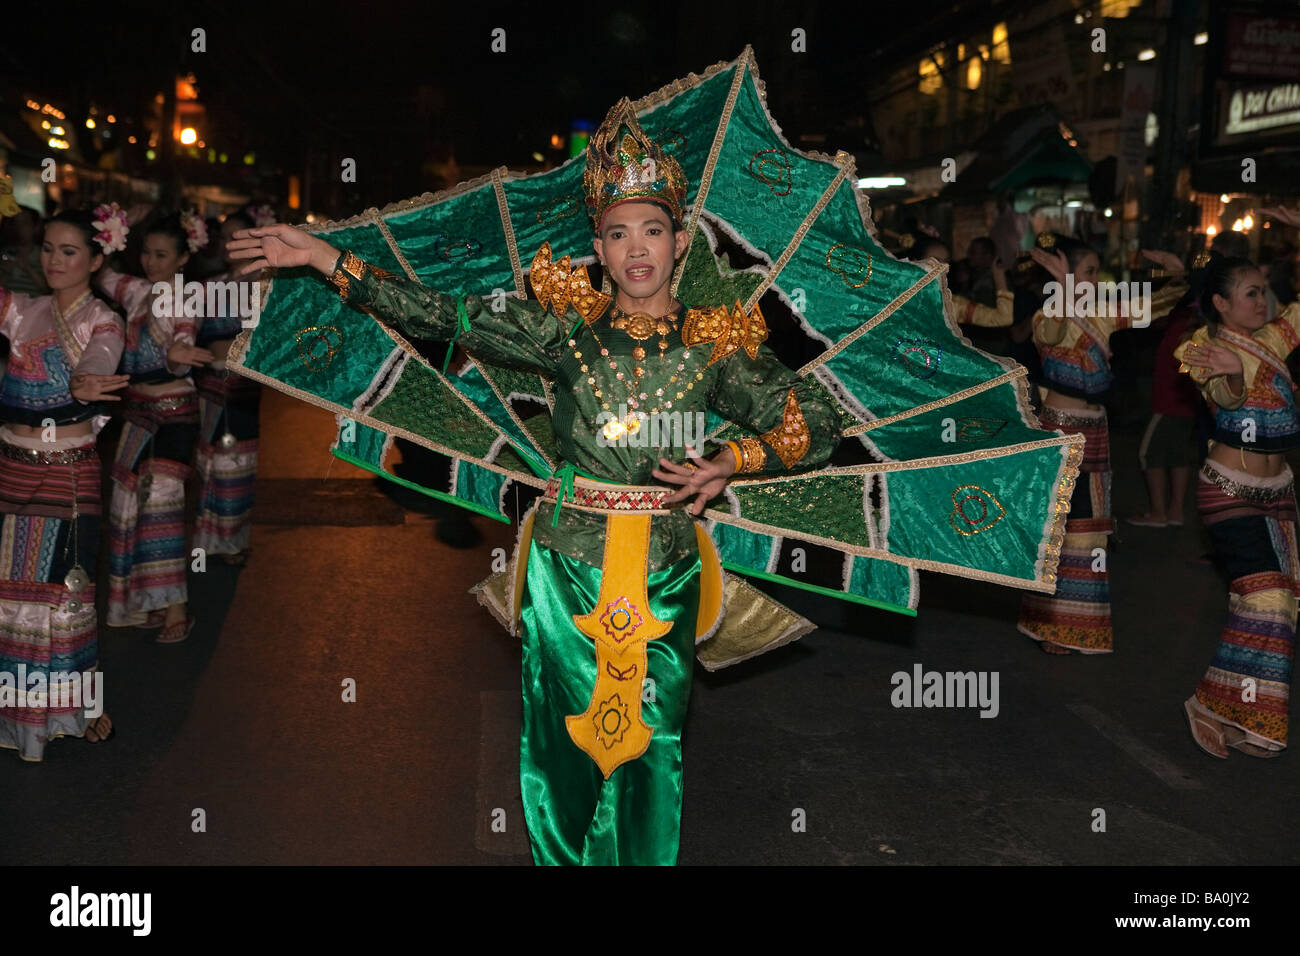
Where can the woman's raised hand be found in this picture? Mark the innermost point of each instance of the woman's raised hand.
(1290, 217)
(1054, 262)
(1166, 260)
(1216, 358)
(280, 246)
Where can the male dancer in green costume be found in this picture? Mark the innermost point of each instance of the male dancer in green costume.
(612, 584)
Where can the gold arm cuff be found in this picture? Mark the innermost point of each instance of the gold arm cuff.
(752, 456)
(350, 267)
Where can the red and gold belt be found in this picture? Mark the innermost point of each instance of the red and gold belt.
(598, 496)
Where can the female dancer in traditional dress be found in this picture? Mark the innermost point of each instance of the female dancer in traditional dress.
(1075, 351)
(147, 564)
(226, 459)
(601, 768)
(1246, 497)
(916, 246)
(64, 351)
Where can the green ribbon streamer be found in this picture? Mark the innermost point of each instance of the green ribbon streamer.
(565, 473)
(461, 325)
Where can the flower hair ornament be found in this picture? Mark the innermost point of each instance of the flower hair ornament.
(196, 230)
(262, 215)
(1046, 240)
(8, 205)
(110, 228)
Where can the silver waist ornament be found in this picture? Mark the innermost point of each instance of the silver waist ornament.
(76, 580)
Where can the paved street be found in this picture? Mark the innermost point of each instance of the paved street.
(246, 721)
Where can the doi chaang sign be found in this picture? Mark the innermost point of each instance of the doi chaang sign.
(1264, 108)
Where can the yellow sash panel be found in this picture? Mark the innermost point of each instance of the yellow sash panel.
(611, 730)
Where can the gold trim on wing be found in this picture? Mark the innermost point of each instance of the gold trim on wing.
(1018, 372)
(875, 320)
(508, 226)
(743, 64)
(846, 169)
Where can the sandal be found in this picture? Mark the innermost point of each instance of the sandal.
(1049, 648)
(1214, 731)
(1255, 750)
(1147, 521)
(155, 620)
(93, 727)
(175, 633)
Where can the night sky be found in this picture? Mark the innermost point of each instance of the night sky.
(395, 85)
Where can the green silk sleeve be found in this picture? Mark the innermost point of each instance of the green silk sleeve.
(503, 330)
(796, 423)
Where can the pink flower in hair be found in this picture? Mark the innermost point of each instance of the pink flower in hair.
(196, 230)
(111, 228)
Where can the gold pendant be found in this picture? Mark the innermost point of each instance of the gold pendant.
(639, 325)
(632, 423)
(614, 430)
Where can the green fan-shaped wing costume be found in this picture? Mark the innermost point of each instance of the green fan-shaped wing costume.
(944, 465)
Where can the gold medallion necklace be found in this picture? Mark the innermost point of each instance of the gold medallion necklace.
(630, 425)
(641, 326)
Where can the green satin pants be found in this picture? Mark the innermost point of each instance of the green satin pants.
(575, 815)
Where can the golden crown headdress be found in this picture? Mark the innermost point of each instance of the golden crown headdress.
(625, 165)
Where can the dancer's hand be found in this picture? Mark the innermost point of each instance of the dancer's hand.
(1216, 358)
(88, 388)
(702, 477)
(280, 246)
(1289, 217)
(182, 354)
(1054, 262)
(1171, 263)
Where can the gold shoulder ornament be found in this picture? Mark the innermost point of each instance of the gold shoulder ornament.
(729, 329)
(557, 286)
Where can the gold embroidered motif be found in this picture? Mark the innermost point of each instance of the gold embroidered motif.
(790, 439)
(752, 456)
(971, 512)
(557, 286)
(728, 330)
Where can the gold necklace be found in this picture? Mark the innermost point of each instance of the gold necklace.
(641, 326)
(616, 429)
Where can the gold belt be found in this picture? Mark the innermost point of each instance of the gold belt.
(35, 456)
